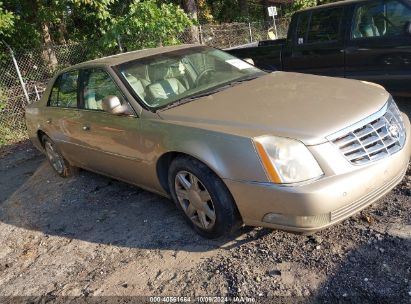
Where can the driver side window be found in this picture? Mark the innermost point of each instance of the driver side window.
(380, 19)
(97, 86)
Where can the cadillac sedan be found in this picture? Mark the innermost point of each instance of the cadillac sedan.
(228, 143)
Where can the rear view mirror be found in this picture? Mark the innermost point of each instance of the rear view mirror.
(249, 60)
(112, 104)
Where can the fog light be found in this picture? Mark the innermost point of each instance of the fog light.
(301, 221)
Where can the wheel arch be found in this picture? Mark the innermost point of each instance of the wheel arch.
(40, 135)
(165, 160)
(164, 163)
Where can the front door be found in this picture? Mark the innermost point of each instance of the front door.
(113, 142)
(318, 46)
(379, 46)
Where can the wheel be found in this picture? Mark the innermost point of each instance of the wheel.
(206, 202)
(56, 160)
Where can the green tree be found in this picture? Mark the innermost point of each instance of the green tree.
(6, 22)
(48, 23)
(146, 24)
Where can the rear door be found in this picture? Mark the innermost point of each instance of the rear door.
(378, 45)
(62, 114)
(318, 44)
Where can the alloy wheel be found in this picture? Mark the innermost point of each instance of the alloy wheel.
(195, 200)
(54, 157)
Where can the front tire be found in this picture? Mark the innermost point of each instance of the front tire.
(203, 197)
(56, 160)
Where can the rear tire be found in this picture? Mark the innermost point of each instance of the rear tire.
(56, 159)
(203, 198)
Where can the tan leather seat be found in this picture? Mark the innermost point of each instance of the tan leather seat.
(139, 85)
(162, 87)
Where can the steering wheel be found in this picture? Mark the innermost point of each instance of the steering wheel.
(202, 74)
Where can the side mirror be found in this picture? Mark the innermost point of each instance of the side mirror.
(249, 60)
(408, 27)
(112, 104)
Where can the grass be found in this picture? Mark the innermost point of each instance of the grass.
(9, 136)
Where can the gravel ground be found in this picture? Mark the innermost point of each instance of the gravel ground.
(93, 236)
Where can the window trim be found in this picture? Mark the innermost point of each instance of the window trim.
(57, 81)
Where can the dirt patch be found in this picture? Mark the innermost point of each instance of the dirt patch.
(90, 235)
(17, 164)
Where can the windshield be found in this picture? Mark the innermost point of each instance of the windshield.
(169, 78)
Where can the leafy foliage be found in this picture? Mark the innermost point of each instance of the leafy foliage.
(6, 22)
(147, 24)
(297, 5)
(62, 21)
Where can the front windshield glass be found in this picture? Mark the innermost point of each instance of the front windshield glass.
(168, 78)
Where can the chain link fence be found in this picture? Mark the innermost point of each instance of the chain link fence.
(24, 73)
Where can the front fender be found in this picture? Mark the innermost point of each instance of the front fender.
(229, 156)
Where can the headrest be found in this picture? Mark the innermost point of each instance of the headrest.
(157, 72)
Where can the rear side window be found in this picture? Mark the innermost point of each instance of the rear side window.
(380, 19)
(325, 25)
(54, 96)
(64, 91)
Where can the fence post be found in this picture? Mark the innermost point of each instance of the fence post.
(200, 33)
(23, 85)
(250, 31)
(37, 92)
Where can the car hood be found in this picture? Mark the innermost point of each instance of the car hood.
(299, 106)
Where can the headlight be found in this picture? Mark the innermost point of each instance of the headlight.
(286, 160)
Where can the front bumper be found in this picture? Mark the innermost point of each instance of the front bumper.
(325, 201)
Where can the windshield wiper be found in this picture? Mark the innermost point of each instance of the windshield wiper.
(242, 80)
(194, 97)
(207, 93)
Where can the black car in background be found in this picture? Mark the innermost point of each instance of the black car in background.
(360, 39)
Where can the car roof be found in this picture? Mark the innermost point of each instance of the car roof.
(124, 57)
(333, 4)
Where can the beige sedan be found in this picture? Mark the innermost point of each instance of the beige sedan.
(229, 143)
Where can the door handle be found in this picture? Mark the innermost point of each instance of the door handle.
(86, 128)
(352, 49)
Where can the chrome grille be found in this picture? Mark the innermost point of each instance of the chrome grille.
(374, 138)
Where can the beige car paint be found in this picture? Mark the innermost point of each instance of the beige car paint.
(300, 106)
(218, 131)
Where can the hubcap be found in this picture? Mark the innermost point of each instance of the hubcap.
(55, 159)
(195, 200)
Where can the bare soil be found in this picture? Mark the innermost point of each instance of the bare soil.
(93, 236)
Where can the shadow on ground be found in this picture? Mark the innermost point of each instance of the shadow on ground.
(92, 208)
(379, 270)
(17, 163)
